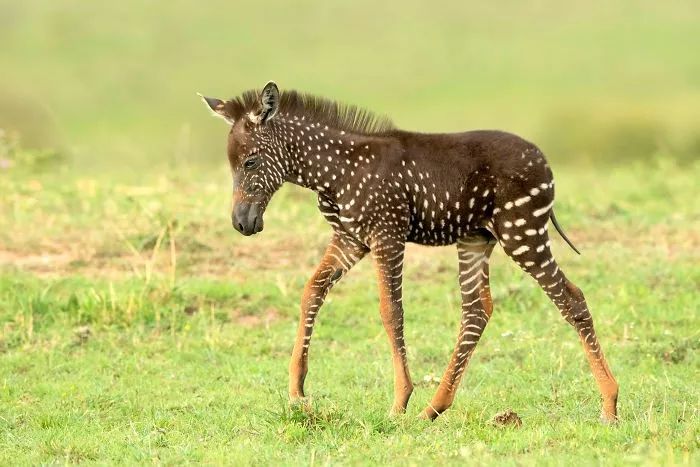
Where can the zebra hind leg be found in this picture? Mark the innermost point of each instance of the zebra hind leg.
(568, 298)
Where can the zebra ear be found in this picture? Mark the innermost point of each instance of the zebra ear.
(218, 108)
(269, 102)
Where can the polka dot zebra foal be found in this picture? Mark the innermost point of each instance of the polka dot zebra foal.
(380, 187)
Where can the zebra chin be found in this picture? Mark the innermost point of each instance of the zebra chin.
(247, 218)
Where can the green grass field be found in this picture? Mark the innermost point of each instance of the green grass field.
(137, 327)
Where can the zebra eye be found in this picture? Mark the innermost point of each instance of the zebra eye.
(251, 163)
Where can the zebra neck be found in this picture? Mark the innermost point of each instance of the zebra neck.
(332, 162)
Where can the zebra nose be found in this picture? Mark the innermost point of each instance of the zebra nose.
(247, 218)
(236, 224)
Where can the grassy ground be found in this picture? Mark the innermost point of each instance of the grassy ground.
(139, 327)
(136, 326)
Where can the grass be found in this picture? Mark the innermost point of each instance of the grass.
(136, 327)
(139, 328)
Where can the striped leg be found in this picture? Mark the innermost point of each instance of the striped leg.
(388, 256)
(341, 255)
(473, 256)
(540, 264)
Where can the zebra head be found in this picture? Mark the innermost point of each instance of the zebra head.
(259, 158)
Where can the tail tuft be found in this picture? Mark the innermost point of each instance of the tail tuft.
(561, 232)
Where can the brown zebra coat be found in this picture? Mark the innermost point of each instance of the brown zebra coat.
(380, 187)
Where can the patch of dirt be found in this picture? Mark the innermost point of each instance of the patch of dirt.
(223, 259)
(81, 335)
(678, 351)
(203, 254)
(52, 259)
(37, 262)
(263, 254)
(672, 241)
(425, 262)
(507, 418)
(191, 310)
(266, 318)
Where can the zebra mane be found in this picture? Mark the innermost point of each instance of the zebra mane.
(316, 109)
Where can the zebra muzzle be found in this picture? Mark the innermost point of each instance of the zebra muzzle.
(247, 218)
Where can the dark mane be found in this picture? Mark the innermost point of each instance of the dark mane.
(316, 109)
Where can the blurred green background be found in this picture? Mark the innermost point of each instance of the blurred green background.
(112, 84)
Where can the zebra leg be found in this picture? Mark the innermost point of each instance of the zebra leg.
(388, 257)
(341, 254)
(477, 306)
(540, 264)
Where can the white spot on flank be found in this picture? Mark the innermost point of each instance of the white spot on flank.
(521, 201)
(539, 212)
(520, 250)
